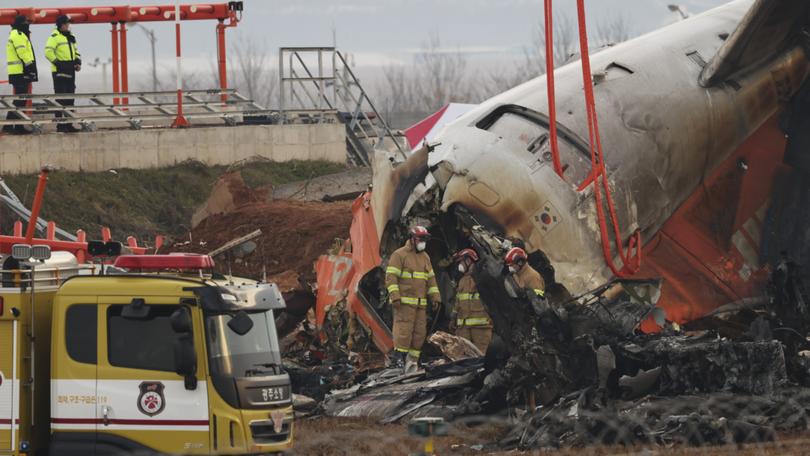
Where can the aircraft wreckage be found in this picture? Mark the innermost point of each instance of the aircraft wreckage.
(686, 291)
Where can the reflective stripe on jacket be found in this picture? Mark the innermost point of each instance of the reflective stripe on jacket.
(409, 277)
(19, 52)
(60, 49)
(470, 310)
(528, 278)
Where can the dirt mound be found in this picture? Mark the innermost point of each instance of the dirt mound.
(230, 192)
(294, 234)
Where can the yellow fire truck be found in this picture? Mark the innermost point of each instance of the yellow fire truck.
(132, 360)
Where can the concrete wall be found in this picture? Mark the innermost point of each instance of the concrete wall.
(112, 149)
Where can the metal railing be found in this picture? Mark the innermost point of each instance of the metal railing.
(154, 108)
(13, 202)
(320, 78)
(42, 276)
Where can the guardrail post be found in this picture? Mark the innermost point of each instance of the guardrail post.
(115, 62)
(180, 120)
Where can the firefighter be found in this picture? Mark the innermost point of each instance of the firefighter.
(472, 321)
(525, 276)
(411, 282)
(65, 60)
(22, 66)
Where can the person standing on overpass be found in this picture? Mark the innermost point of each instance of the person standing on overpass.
(22, 67)
(62, 52)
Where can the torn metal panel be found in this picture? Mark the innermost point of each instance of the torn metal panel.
(455, 348)
(390, 398)
(639, 385)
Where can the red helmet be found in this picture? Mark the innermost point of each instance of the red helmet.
(467, 254)
(419, 231)
(516, 256)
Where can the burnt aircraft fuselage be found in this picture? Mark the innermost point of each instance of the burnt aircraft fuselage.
(663, 135)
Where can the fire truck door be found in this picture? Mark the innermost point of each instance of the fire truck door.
(142, 403)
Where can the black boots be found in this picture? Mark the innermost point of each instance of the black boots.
(398, 359)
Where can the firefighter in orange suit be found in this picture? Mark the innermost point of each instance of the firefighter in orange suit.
(471, 318)
(411, 283)
(525, 276)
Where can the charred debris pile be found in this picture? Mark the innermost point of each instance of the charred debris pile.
(578, 371)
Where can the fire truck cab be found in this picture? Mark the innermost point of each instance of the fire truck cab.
(139, 362)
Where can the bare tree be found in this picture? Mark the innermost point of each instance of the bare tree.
(534, 56)
(397, 87)
(251, 73)
(437, 77)
(441, 75)
(612, 31)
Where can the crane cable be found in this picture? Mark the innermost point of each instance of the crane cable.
(598, 174)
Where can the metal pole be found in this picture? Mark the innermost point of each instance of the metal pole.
(320, 78)
(124, 67)
(37, 205)
(33, 337)
(334, 71)
(116, 88)
(281, 84)
(152, 40)
(104, 75)
(221, 60)
(180, 120)
(81, 236)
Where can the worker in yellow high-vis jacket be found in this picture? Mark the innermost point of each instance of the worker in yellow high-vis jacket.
(411, 284)
(471, 318)
(63, 53)
(22, 66)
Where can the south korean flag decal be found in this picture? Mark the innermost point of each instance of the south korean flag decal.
(151, 400)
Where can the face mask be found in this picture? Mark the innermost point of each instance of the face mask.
(461, 268)
(513, 268)
(420, 246)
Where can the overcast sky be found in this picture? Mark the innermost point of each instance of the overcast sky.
(376, 32)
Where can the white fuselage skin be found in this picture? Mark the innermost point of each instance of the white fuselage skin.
(660, 130)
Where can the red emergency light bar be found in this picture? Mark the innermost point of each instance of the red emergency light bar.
(113, 14)
(182, 261)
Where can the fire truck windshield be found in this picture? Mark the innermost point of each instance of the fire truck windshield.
(255, 353)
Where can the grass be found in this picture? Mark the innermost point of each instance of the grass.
(144, 202)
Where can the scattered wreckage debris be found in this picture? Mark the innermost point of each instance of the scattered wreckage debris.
(586, 374)
(391, 395)
(584, 418)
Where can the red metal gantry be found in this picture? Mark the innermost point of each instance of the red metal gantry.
(226, 15)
